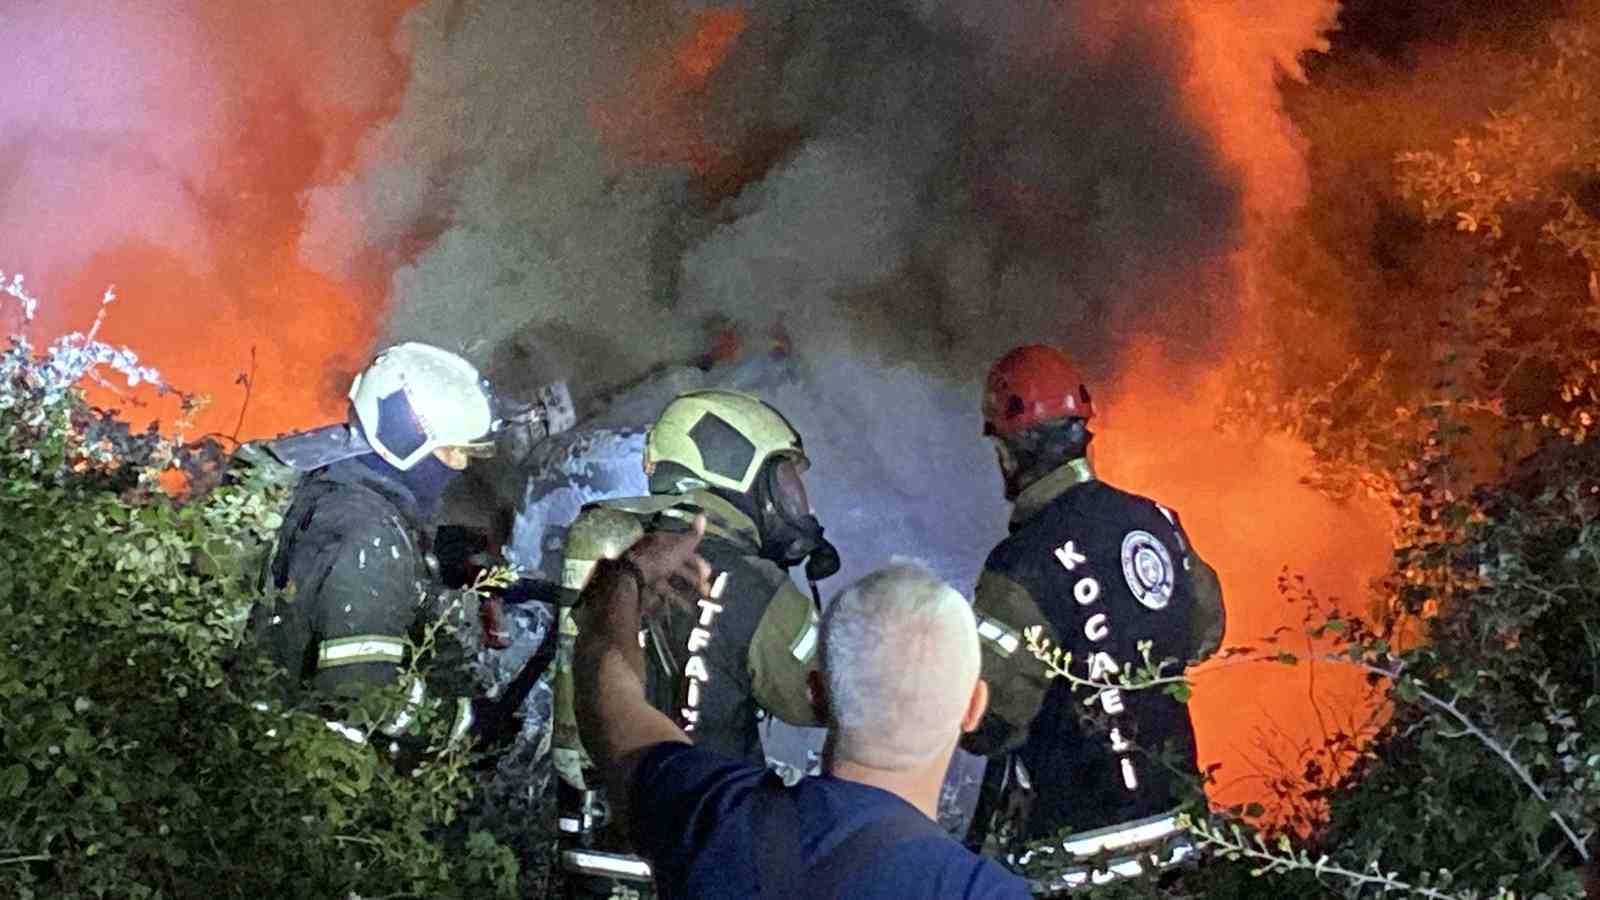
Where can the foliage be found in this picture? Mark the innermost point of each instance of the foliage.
(141, 754)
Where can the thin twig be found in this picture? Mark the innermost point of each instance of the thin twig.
(43, 857)
(249, 385)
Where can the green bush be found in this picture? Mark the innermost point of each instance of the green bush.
(140, 755)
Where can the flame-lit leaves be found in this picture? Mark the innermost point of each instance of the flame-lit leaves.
(62, 437)
(1351, 459)
(1580, 393)
(1504, 682)
(1526, 179)
(1480, 434)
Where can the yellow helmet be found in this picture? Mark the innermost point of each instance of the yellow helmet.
(599, 532)
(720, 439)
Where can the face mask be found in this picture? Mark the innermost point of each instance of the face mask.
(427, 480)
(790, 534)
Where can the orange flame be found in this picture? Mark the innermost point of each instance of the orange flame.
(1242, 502)
(708, 46)
(656, 118)
(271, 341)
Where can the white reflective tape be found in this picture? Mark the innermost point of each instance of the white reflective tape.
(354, 735)
(805, 644)
(575, 573)
(999, 635)
(591, 863)
(350, 651)
(1117, 869)
(1141, 833)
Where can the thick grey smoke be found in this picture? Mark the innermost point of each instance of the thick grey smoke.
(909, 188)
(494, 163)
(940, 179)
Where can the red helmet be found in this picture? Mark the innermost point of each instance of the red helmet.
(1032, 385)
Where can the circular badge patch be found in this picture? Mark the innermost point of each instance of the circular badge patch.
(1147, 566)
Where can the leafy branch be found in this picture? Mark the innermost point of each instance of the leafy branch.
(1282, 857)
(1471, 728)
(1149, 673)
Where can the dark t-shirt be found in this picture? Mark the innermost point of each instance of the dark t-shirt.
(692, 815)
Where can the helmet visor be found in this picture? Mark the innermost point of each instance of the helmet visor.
(789, 489)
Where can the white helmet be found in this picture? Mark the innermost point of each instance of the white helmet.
(416, 398)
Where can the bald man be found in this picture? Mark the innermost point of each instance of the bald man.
(898, 683)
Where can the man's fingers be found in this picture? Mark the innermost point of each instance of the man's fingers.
(696, 571)
(673, 591)
(662, 553)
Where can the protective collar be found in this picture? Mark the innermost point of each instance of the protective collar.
(723, 519)
(424, 483)
(1041, 493)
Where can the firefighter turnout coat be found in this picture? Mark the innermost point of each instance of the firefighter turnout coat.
(745, 649)
(1099, 571)
(355, 554)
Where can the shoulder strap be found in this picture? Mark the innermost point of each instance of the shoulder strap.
(777, 835)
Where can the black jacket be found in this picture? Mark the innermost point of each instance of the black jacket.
(1099, 571)
(353, 552)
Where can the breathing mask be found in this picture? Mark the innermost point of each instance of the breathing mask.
(790, 532)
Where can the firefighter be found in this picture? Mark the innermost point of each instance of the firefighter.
(1098, 570)
(746, 648)
(354, 549)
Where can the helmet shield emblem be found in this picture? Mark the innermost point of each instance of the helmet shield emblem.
(723, 450)
(1147, 567)
(398, 428)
